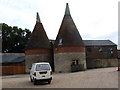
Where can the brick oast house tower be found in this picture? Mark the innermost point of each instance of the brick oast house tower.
(38, 48)
(69, 50)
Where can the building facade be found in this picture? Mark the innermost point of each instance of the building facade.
(100, 53)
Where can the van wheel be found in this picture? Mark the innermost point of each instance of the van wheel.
(49, 82)
(34, 82)
(31, 79)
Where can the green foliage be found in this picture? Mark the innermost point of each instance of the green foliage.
(107, 54)
(14, 39)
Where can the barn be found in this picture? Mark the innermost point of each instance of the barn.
(12, 63)
(100, 53)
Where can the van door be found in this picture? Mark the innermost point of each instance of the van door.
(43, 71)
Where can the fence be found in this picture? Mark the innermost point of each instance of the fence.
(12, 70)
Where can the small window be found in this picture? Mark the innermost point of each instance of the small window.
(100, 49)
(89, 49)
(60, 42)
(111, 50)
(75, 62)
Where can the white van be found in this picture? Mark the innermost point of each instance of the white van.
(41, 72)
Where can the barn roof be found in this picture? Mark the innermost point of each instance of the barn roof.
(68, 34)
(95, 42)
(12, 57)
(39, 37)
(98, 43)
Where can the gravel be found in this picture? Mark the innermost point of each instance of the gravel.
(93, 78)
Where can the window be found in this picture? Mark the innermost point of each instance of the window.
(89, 49)
(100, 49)
(75, 62)
(60, 42)
(111, 50)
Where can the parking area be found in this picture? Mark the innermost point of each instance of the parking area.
(93, 78)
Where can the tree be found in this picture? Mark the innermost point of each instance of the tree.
(14, 39)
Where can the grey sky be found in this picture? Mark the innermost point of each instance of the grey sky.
(95, 19)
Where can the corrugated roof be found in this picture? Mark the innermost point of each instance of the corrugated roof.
(68, 34)
(38, 38)
(12, 57)
(98, 43)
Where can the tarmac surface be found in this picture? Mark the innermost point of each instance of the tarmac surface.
(92, 78)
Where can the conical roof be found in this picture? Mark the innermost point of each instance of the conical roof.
(68, 33)
(38, 39)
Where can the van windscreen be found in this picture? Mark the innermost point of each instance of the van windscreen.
(42, 67)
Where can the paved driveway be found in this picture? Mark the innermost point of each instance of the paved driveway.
(94, 78)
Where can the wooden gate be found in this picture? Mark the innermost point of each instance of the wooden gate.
(11, 70)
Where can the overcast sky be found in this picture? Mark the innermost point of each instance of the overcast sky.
(95, 19)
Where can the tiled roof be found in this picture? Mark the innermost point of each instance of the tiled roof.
(95, 42)
(68, 34)
(98, 43)
(38, 38)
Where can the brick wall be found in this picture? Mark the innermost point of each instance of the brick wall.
(63, 61)
(38, 55)
(93, 52)
(37, 51)
(69, 49)
(101, 63)
(30, 59)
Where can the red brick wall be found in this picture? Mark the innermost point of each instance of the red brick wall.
(69, 49)
(95, 54)
(37, 51)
